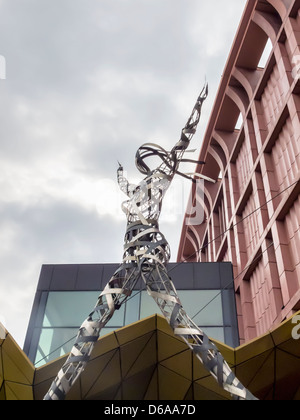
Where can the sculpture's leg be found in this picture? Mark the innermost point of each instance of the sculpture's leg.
(161, 288)
(115, 293)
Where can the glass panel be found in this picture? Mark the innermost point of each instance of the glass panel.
(117, 319)
(148, 306)
(216, 333)
(68, 309)
(34, 344)
(133, 308)
(194, 301)
(53, 343)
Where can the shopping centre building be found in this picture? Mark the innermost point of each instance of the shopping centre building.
(252, 150)
(238, 273)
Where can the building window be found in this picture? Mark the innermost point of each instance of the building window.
(68, 309)
(265, 55)
(64, 312)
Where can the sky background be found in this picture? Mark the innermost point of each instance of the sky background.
(87, 82)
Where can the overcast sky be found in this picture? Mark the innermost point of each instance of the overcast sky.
(87, 82)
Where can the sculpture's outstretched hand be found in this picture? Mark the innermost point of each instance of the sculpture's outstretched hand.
(191, 126)
(124, 185)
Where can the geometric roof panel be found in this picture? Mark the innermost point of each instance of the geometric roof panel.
(145, 361)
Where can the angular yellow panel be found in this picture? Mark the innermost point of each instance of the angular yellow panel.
(253, 348)
(297, 395)
(75, 392)
(136, 386)
(12, 371)
(189, 396)
(266, 394)
(41, 389)
(152, 391)
(107, 394)
(209, 383)
(199, 370)
(44, 376)
(169, 345)
(284, 331)
(139, 355)
(109, 377)
(95, 368)
(181, 364)
(291, 346)
(163, 325)
(18, 392)
(131, 351)
(1, 369)
(126, 334)
(144, 377)
(287, 374)
(263, 380)
(104, 345)
(227, 352)
(258, 372)
(171, 386)
(3, 334)
(2, 393)
(118, 395)
(202, 393)
(16, 365)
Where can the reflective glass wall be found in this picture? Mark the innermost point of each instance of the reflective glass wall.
(60, 307)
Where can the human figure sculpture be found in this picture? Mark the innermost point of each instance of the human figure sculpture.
(146, 254)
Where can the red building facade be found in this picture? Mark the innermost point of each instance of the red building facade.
(252, 149)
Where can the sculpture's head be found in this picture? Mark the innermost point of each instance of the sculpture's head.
(156, 157)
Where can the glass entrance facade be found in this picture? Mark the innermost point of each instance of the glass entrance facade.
(64, 299)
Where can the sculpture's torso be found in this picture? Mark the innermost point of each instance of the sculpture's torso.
(144, 243)
(145, 200)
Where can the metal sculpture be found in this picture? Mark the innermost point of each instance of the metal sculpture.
(146, 254)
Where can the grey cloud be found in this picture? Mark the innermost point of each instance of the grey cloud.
(57, 232)
(48, 230)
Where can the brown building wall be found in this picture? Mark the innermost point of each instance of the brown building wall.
(253, 210)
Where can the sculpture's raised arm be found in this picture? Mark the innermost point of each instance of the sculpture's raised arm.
(124, 184)
(170, 161)
(191, 126)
